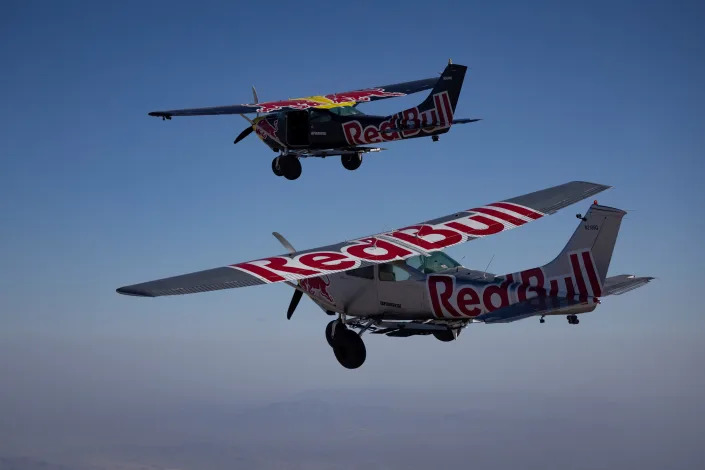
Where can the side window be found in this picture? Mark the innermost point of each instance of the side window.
(392, 272)
(368, 272)
(319, 117)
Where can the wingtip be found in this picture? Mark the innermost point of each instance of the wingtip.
(132, 292)
(598, 186)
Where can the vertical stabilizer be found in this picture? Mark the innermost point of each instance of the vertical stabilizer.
(583, 263)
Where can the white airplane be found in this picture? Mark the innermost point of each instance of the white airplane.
(400, 283)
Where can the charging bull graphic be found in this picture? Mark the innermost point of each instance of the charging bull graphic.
(317, 287)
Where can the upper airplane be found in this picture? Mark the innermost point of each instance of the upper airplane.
(328, 125)
(400, 283)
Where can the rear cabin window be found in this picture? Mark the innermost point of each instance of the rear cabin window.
(368, 272)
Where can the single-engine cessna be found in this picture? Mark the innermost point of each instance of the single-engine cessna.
(400, 283)
(328, 125)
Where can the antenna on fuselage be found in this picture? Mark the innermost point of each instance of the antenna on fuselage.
(484, 274)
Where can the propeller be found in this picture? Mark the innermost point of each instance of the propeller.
(294, 303)
(297, 293)
(248, 130)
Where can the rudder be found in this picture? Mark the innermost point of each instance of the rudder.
(588, 253)
(435, 113)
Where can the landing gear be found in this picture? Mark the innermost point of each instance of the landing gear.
(434, 138)
(287, 166)
(276, 168)
(542, 320)
(348, 347)
(573, 319)
(351, 162)
(331, 328)
(444, 336)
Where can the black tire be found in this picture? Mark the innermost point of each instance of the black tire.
(276, 167)
(444, 336)
(329, 331)
(291, 167)
(351, 162)
(349, 349)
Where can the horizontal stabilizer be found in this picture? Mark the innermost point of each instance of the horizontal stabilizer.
(426, 126)
(536, 306)
(617, 285)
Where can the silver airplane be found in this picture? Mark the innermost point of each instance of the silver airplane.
(400, 283)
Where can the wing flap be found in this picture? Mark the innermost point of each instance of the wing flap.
(422, 238)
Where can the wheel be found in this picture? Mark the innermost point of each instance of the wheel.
(349, 349)
(291, 167)
(573, 319)
(276, 168)
(542, 321)
(351, 162)
(329, 330)
(576, 321)
(444, 336)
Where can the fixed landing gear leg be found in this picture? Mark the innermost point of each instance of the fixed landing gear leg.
(289, 165)
(276, 167)
(348, 347)
(351, 162)
(542, 320)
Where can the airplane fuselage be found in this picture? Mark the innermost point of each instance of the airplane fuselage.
(455, 294)
(341, 128)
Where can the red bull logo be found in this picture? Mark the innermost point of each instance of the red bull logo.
(407, 123)
(317, 287)
(449, 300)
(362, 95)
(297, 103)
(349, 98)
(391, 246)
(266, 129)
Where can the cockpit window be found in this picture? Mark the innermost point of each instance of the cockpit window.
(318, 116)
(345, 111)
(434, 263)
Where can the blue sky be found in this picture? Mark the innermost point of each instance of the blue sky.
(96, 195)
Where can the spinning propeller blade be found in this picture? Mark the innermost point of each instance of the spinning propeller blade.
(243, 134)
(294, 302)
(297, 293)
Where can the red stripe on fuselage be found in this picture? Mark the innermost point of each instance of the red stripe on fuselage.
(578, 273)
(592, 275)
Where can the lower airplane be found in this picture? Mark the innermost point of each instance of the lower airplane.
(400, 283)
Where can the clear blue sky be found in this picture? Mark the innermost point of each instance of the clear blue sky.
(94, 194)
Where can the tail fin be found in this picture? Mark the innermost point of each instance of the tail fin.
(437, 110)
(583, 263)
(447, 88)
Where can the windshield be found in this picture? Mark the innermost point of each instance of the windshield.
(345, 111)
(434, 263)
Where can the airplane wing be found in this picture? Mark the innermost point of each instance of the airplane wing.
(333, 100)
(422, 238)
